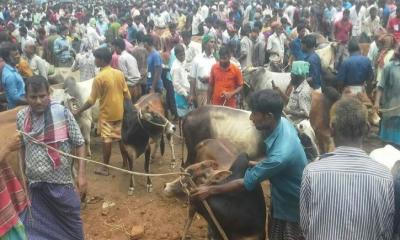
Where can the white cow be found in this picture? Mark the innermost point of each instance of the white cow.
(387, 155)
(74, 95)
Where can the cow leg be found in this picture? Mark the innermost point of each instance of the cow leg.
(147, 168)
(131, 156)
(171, 146)
(190, 216)
(156, 146)
(85, 125)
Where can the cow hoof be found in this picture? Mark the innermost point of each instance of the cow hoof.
(149, 188)
(173, 164)
(130, 191)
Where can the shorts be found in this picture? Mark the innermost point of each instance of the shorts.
(110, 131)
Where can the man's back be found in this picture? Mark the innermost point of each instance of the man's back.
(355, 70)
(109, 87)
(347, 195)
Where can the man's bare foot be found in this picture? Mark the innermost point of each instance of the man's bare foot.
(102, 171)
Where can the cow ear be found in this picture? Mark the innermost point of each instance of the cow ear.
(218, 176)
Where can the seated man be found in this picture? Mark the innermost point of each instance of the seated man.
(299, 102)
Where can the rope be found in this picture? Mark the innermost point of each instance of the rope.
(384, 110)
(33, 140)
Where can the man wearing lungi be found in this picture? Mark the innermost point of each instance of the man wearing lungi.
(55, 205)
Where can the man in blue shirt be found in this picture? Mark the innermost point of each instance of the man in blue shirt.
(62, 49)
(11, 81)
(295, 46)
(355, 71)
(154, 67)
(308, 44)
(283, 166)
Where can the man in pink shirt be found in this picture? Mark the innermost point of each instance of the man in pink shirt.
(341, 33)
(393, 25)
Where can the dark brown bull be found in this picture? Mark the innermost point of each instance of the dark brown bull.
(242, 214)
(142, 122)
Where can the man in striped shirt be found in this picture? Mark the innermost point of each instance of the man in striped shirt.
(346, 194)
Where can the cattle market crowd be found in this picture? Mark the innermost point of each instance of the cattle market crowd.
(279, 90)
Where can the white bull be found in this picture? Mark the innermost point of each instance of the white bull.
(74, 95)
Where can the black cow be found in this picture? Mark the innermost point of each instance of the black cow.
(138, 127)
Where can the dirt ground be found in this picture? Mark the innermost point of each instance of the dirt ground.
(161, 217)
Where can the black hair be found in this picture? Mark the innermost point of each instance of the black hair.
(349, 118)
(5, 50)
(186, 34)
(267, 101)
(23, 29)
(224, 51)
(104, 54)
(119, 43)
(4, 37)
(36, 83)
(309, 41)
(178, 48)
(140, 37)
(149, 40)
(300, 26)
(353, 45)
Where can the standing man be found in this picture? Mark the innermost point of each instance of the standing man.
(356, 72)
(276, 42)
(342, 30)
(283, 165)
(62, 49)
(295, 46)
(109, 86)
(246, 47)
(388, 95)
(154, 67)
(200, 72)
(11, 81)
(358, 13)
(13, 200)
(308, 44)
(346, 194)
(393, 25)
(226, 81)
(49, 174)
(128, 65)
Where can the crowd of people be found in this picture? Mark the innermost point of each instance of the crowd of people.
(193, 53)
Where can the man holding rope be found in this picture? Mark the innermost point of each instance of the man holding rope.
(55, 206)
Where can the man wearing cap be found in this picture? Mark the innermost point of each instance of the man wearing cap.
(200, 71)
(299, 102)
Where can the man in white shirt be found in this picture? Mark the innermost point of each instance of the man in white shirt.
(180, 81)
(371, 23)
(246, 47)
(357, 16)
(200, 72)
(197, 20)
(38, 65)
(128, 65)
(276, 42)
(192, 49)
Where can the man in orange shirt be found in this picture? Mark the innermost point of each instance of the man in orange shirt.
(226, 81)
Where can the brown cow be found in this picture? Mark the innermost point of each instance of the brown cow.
(321, 104)
(241, 214)
(8, 127)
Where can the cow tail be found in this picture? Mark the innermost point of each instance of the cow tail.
(162, 144)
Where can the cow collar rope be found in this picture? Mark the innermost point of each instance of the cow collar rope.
(153, 123)
(206, 206)
(33, 140)
(384, 110)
